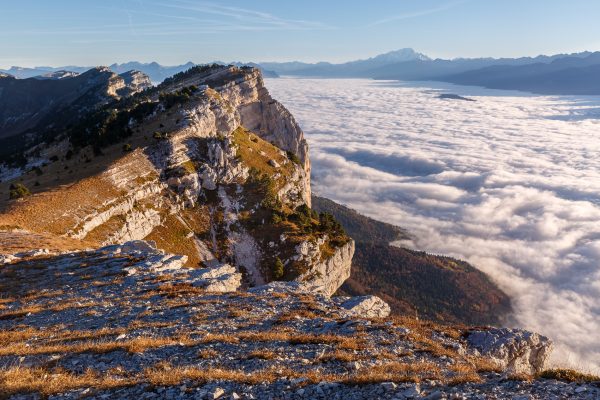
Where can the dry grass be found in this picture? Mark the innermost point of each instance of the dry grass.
(483, 364)
(17, 380)
(462, 373)
(207, 354)
(262, 354)
(134, 345)
(569, 375)
(164, 375)
(342, 342)
(21, 312)
(340, 355)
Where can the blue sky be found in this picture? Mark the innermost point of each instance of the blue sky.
(86, 32)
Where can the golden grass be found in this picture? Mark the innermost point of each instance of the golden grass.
(17, 380)
(207, 354)
(163, 375)
(340, 355)
(134, 345)
(294, 315)
(262, 354)
(569, 375)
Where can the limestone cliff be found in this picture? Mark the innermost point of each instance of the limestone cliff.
(210, 166)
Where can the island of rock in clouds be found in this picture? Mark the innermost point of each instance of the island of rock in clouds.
(169, 251)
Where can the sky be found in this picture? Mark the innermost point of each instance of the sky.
(81, 32)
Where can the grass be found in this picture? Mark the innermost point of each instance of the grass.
(17, 380)
(568, 375)
(262, 354)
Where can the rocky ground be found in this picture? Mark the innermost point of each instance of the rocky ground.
(129, 321)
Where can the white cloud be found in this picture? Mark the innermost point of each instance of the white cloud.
(510, 183)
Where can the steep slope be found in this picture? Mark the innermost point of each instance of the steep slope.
(207, 165)
(30, 108)
(411, 282)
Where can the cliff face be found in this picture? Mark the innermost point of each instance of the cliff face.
(215, 170)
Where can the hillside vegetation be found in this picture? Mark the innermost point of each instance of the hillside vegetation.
(413, 282)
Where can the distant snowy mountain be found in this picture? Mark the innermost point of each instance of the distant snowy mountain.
(358, 68)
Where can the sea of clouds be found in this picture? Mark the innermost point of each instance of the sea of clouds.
(510, 182)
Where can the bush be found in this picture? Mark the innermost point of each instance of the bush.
(159, 135)
(18, 190)
(293, 157)
(126, 147)
(179, 97)
(278, 269)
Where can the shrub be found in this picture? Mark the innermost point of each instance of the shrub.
(126, 147)
(293, 157)
(18, 190)
(278, 269)
(159, 135)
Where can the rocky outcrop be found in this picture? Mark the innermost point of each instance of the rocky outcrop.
(152, 262)
(514, 350)
(327, 273)
(365, 306)
(258, 111)
(135, 81)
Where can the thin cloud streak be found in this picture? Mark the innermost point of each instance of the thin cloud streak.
(260, 19)
(416, 14)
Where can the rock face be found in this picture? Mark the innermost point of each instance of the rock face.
(326, 274)
(515, 350)
(221, 173)
(136, 81)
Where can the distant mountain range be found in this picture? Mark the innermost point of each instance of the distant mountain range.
(156, 72)
(574, 74)
(358, 68)
(557, 74)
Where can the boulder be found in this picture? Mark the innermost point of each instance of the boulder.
(366, 307)
(516, 351)
(224, 284)
(138, 246)
(220, 279)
